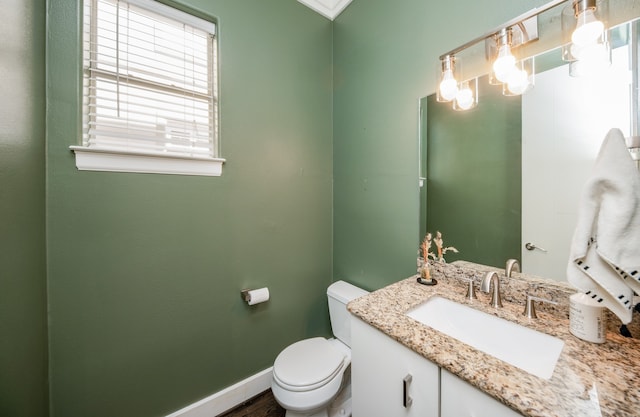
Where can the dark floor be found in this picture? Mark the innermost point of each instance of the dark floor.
(262, 405)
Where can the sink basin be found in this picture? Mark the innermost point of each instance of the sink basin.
(525, 348)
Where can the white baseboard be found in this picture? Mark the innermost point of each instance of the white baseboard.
(228, 398)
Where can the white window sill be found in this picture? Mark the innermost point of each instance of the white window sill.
(88, 159)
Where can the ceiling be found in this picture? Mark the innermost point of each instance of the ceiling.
(328, 8)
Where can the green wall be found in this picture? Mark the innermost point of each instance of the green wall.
(319, 127)
(145, 271)
(23, 331)
(385, 58)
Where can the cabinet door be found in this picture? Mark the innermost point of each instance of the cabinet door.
(388, 379)
(461, 399)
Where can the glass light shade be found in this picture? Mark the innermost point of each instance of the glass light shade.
(448, 86)
(595, 52)
(521, 79)
(633, 144)
(518, 82)
(467, 96)
(504, 64)
(446, 73)
(593, 60)
(588, 30)
(590, 59)
(464, 98)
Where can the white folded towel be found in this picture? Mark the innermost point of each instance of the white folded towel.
(604, 260)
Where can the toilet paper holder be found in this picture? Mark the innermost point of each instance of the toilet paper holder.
(255, 296)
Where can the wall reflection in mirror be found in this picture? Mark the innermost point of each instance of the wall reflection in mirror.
(510, 171)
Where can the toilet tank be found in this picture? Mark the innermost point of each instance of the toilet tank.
(339, 294)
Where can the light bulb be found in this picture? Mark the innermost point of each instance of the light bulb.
(518, 82)
(448, 86)
(505, 64)
(464, 98)
(588, 30)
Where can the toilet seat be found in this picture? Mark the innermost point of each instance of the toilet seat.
(307, 365)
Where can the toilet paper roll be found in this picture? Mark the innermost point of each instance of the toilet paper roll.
(258, 296)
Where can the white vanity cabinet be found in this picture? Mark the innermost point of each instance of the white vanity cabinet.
(461, 399)
(380, 387)
(389, 379)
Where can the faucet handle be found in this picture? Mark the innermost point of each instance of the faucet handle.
(530, 307)
(471, 291)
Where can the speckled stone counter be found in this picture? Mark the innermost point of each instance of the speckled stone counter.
(589, 379)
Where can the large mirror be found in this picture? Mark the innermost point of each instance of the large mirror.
(504, 179)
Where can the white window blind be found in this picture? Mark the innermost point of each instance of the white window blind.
(150, 82)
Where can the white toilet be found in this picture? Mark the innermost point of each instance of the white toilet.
(308, 375)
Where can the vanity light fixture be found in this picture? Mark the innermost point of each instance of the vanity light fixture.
(513, 75)
(586, 47)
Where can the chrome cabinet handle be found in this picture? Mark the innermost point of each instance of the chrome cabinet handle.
(406, 399)
(531, 246)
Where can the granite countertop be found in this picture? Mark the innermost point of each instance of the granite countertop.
(589, 379)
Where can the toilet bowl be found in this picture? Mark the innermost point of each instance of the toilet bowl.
(310, 374)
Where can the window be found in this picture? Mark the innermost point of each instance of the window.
(149, 90)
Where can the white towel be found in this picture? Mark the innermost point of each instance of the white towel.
(604, 260)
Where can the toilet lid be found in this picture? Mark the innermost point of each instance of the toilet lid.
(308, 364)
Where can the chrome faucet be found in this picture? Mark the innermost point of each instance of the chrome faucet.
(485, 285)
(512, 266)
